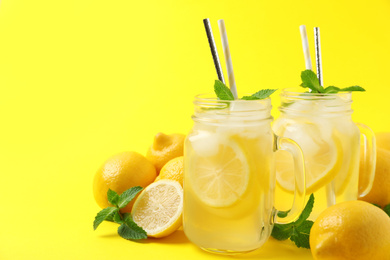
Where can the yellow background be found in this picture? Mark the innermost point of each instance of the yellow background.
(81, 80)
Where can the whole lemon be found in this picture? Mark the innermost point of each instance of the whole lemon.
(121, 172)
(165, 148)
(351, 230)
(173, 170)
(380, 191)
(383, 140)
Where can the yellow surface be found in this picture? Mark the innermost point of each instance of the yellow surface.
(82, 80)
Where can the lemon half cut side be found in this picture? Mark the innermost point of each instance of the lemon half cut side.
(158, 209)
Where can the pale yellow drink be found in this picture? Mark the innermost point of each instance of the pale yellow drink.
(322, 125)
(229, 178)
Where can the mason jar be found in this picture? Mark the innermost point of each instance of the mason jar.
(323, 127)
(229, 177)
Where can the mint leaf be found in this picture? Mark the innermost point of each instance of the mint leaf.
(127, 196)
(282, 231)
(262, 94)
(104, 214)
(331, 90)
(126, 215)
(387, 209)
(306, 211)
(298, 231)
(130, 230)
(112, 197)
(283, 214)
(301, 234)
(310, 80)
(222, 91)
(353, 88)
(117, 218)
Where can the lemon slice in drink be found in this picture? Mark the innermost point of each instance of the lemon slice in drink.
(158, 209)
(322, 162)
(221, 179)
(347, 177)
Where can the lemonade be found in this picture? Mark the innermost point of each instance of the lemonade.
(321, 124)
(229, 179)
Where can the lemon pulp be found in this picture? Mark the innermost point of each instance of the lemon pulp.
(158, 209)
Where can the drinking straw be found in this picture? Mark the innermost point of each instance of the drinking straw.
(305, 46)
(228, 58)
(213, 49)
(318, 54)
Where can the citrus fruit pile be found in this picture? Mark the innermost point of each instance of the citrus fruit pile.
(158, 208)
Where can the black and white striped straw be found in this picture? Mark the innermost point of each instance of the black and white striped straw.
(213, 49)
(317, 42)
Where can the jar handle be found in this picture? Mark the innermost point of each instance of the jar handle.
(369, 158)
(286, 144)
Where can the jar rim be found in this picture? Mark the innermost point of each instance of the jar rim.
(298, 93)
(207, 98)
(328, 104)
(209, 109)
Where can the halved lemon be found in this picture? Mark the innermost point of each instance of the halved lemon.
(321, 166)
(220, 180)
(158, 209)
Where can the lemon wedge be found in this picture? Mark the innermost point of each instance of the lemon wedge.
(221, 179)
(158, 209)
(323, 160)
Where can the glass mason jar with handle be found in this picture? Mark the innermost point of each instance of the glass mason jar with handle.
(322, 126)
(229, 177)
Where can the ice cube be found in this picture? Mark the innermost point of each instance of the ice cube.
(205, 143)
(310, 133)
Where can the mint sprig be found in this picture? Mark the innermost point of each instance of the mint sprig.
(310, 80)
(224, 93)
(298, 231)
(128, 229)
